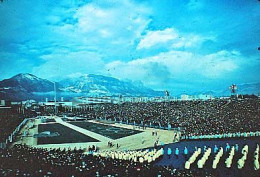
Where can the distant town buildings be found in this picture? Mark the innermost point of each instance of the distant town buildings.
(196, 97)
(83, 104)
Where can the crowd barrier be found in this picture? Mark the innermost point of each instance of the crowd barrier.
(220, 136)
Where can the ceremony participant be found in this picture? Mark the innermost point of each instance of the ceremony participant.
(256, 157)
(245, 149)
(227, 147)
(236, 147)
(215, 149)
(205, 148)
(177, 153)
(143, 140)
(256, 162)
(187, 165)
(185, 153)
(169, 152)
(217, 158)
(201, 162)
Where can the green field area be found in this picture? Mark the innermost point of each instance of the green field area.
(106, 130)
(67, 135)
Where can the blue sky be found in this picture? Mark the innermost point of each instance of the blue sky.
(166, 44)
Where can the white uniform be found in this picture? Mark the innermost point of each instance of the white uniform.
(187, 165)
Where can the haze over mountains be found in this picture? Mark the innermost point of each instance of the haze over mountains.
(27, 86)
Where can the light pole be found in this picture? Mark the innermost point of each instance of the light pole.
(55, 99)
(55, 91)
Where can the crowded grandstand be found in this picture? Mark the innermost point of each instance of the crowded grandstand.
(218, 137)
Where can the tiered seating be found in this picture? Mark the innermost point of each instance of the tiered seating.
(25, 161)
(219, 118)
(8, 125)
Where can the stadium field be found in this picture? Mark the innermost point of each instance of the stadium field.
(105, 130)
(67, 135)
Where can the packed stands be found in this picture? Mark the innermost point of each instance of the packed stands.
(194, 118)
(8, 125)
(198, 120)
(25, 161)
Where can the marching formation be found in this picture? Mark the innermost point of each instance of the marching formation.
(218, 155)
(135, 156)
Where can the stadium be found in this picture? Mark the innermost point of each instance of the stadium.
(135, 139)
(129, 88)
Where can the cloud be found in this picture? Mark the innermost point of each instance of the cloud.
(153, 38)
(191, 40)
(54, 39)
(61, 64)
(67, 37)
(171, 38)
(105, 27)
(220, 63)
(96, 27)
(156, 71)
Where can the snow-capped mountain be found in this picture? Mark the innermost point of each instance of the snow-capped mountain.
(28, 82)
(22, 86)
(28, 86)
(90, 84)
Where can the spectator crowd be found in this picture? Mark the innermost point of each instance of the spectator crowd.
(25, 161)
(194, 118)
(8, 125)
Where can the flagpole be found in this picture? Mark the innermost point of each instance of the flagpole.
(55, 98)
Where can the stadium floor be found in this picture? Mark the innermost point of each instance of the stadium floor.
(141, 140)
(222, 171)
(67, 135)
(105, 130)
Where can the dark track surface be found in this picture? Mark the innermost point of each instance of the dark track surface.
(67, 135)
(105, 130)
(49, 120)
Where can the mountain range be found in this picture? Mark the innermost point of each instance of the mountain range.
(26, 86)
